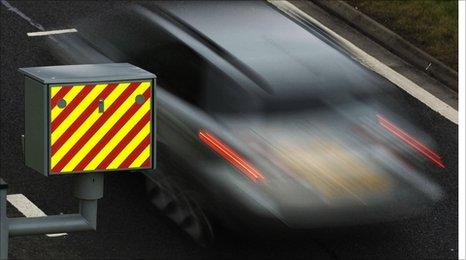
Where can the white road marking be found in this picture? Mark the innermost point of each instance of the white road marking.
(22, 15)
(377, 66)
(45, 33)
(28, 209)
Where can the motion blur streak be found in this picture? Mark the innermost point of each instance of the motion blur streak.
(434, 157)
(230, 155)
(304, 137)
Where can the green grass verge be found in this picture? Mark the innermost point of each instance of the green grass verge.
(431, 25)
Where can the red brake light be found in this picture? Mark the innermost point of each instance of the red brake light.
(230, 155)
(411, 141)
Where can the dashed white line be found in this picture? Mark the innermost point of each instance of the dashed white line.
(28, 209)
(45, 33)
(21, 14)
(377, 66)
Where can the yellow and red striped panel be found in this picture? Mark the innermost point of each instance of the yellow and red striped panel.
(82, 138)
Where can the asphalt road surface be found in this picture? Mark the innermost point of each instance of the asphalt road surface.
(128, 226)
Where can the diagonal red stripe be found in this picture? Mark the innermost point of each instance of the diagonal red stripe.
(135, 153)
(99, 122)
(146, 163)
(124, 142)
(71, 106)
(82, 117)
(111, 133)
(60, 94)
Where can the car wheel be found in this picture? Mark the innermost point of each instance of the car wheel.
(181, 205)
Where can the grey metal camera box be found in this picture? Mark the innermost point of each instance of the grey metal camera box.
(88, 118)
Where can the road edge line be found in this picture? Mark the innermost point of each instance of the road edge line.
(377, 66)
(392, 42)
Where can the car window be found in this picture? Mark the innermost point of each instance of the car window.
(179, 69)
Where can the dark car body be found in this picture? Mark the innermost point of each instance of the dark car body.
(234, 68)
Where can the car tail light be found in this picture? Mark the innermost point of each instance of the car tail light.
(411, 141)
(227, 153)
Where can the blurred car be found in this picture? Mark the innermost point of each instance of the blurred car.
(263, 120)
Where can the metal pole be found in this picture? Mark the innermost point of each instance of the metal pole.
(3, 221)
(88, 188)
(48, 224)
(88, 210)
